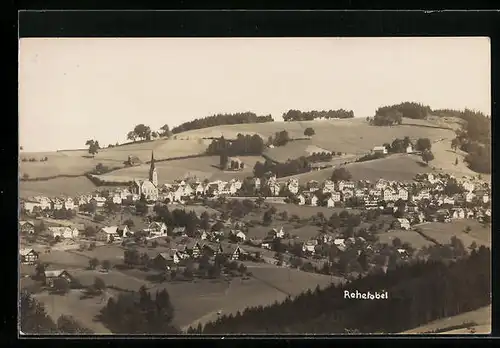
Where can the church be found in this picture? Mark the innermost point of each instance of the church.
(148, 188)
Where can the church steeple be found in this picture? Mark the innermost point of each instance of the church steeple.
(153, 175)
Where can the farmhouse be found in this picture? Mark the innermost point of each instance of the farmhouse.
(328, 186)
(64, 232)
(232, 252)
(166, 260)
(380, 150)
(133, 161)
(26, 227)
(310, 246)
(402, 224)
(51, 276)
(108, 234)
(69, 204)
(239, 235)
(409, 148)
(301, 199)
(123, 230)
(148, 188)
(57, 204)
(28, 256)
(98, 201)
(156, 229)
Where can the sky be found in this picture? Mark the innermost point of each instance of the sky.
(75, 89)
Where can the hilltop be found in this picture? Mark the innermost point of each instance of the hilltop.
(352, 137)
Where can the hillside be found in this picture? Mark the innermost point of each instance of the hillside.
(396, 167)
(349, 136)
(481, 317)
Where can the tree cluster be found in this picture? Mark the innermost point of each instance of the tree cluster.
(341, 174)
(139, 313)
(222, 119)
(290, 167)
(297, 115)
(280, 139)
(393, 114)
(243, 145)
(140, 131)
(419, 292)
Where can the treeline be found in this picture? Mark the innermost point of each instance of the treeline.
(475, 138)
(222, 119)
(34, 319)
(419, 292)
(242, 145)
(297, 115)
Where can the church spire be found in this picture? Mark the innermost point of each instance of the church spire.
(152, 168)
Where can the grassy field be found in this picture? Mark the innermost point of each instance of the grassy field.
(412, 237)
(305, 211)
(481, 316)
(200, 167)
(82, 310)
(442, 232)
(291, 281)
(59, 259)
(56, 187)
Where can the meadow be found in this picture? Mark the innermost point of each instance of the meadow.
(442, 232)
(412, 237)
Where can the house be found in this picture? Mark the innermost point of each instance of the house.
(389, 195)
(256, 183)
(98, 201)
(133, 161)
(275, 188)
(28, 256)
(458, 214)
(26, 227)
(486, 199)
(380, 150)
(301, 199)
(409, 149)
(267, 244)
(156, 229)
(314, 201)
(340, 244)
(199, 190)
(278, 233)
(64, 232)
(57, 204)
(166, 260)
(403, 194)
(203, 235)
(232, 252)
(194, 248)
(312, 185)
(469, 196)
(239, 235)
(330, 202)
(179, 231)
(51, 276)
(293, 186)
(117, 199)
(328, 186)
(343, 185)
(108, 234)
(123, 231)
(403, 224)
(310, 246)
(30, 204)
(69, 204)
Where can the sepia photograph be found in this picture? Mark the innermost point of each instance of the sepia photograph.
(224, 186)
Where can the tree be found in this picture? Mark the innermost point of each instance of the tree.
(340, 174)
(61, 286)
(99, 284)
(165, 131)
(309, 132)
(396, 242)
(423, 144)
(93, 263)
(142, 131)
(33, 317)
(93, 146)
(129, 223)
(456, 161)
(427, 156)
(131, 136)
(106, 265)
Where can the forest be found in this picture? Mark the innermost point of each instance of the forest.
(297, 115)
(419, 292)
(222, 119)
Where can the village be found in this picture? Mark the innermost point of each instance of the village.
(66, 221)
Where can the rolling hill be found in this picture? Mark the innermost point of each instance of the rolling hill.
(352, 137)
